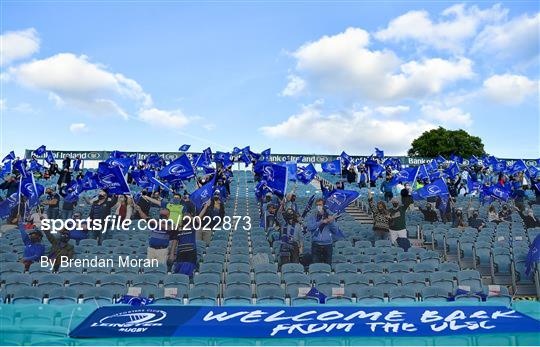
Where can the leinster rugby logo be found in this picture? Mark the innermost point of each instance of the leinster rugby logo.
(127, 320)
(338, 199)
(434, 190)
(268, 173)
(176, 169)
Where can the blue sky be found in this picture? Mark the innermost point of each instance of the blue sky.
(296, 77)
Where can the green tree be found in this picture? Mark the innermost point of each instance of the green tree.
(445, 142)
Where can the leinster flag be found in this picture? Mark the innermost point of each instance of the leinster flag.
(9, 204)
(406, 175)
(10, 156)
(306, 174)
(40, 150)
(333, 167)
(291, 170)
(533, 256)
(497, 191)
(112, 179)
(440, 159)
(346, 158)
(184, 148)
(122, 163)
(31, 190)
(265, 154)
(437, 188)
(276, 178)
(452, 170)
(180, 168)
(202, 195)
(50, 158)
(20, 165)
(517, 167)
(338, 200)
(379, 153)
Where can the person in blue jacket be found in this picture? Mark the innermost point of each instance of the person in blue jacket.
(33, 248)
(324, 230)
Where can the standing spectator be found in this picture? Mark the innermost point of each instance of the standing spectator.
(186, 247)
(475, 221)
(158, 242)
(33, 248)
(66, 163)
(52, 200)
(60, 247)
(124, 207)
(10, 185)
(323, 229)
(387, 187)
(67, 206)
(381, 218)
(36, 217)
(398, 227)
(188, 204)
(99, 210)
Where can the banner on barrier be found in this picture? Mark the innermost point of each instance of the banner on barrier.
(266, 322)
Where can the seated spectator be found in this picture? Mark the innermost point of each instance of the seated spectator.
(475, 221)
(529, 219)
(430, 215)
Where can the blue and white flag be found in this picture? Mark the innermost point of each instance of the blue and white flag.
(456, 159)
(32, 190)
(532, 171)
(77, 165)
(184, 148)
(374, 170)
(266, 154)
(20, 165)
(473, 160)
(142, 177)
(437, 188)
(40, 150)
(406, 175)
(204, 159)
(6, 169)
(157, 183)
(50, 158)
(8, 204)
(111, 179)
(452, 170)
(73, 191)
(89, 181)
(118, 155)
(306, 174)
(518, 166)
(432, 166)
(35, 166)
(10, 156)
(499, 166)
(333, 167)
(422, 172)
(379, 153)
(202, 195)
(472, 186)
(315, 293)
(440, 159)
(533, 256)
(345, 158)
(180, 168)
(276, 178)
(291, 170)
(497, 191)
(122, 163)
(339, 199)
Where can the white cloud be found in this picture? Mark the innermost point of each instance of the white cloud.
(453, 116)
(358, 130)
(516, 39)
(3, 103)
(163, 118)
(74, 80)
(342, 64)
(392, 110)
(16, 45)
(77, 128)
(294, 87)
(509, 89)
(457, 24)
(23, 108)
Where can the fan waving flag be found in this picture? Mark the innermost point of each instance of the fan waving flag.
(10, 156)
(202, 195)
(333, 167)
(32, 190)
(122, 163)
(346, 158)
(265, 154)
(20, 165)
(180, 168)
(276, 178)
(8, 205)
(452, 170)
(497, 191)
(112, 179)
(306, 174)
(184, 148)
(158, 183)
(406, 175)
(50, 158)
(338, 200)
(437, 188)
(517, 167)
(142, 177)
(40, 150)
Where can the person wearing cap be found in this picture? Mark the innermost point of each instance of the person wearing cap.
(397, 223)
(60, 247)
(33, 248)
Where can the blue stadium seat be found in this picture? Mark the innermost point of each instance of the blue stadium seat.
(63, 296)
(369, 295)
(434, 293)
(403, 294)
(304, 301)
(30, 295)
(292, 267)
